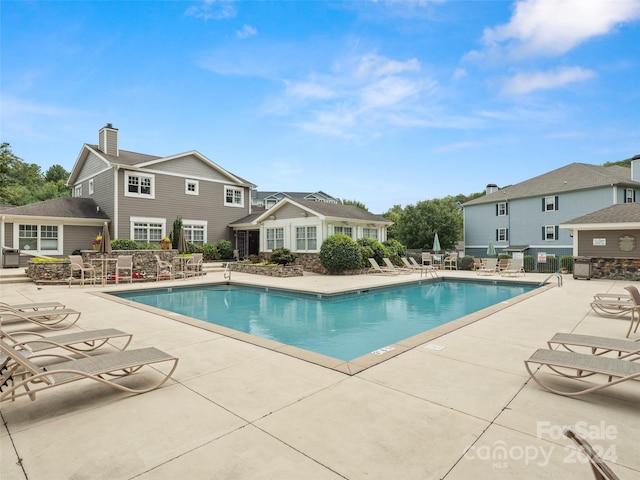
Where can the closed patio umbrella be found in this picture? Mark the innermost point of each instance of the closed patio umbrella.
(436, 243)
(182, 242)
(105, 244)
(491, 250)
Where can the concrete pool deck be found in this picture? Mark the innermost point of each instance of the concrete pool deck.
(235, 410)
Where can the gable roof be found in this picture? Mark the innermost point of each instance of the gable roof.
(572, 177)
(626, 213)
(64, 207)
(141, 160)
(321, 209)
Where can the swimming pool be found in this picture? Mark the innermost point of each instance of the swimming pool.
(344, 326)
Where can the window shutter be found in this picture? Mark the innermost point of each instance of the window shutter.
(557, 232)
(543, 234)
(497, 234)
(543, 204)
(497, 209)
(624, 192)
(506, 234)
(506, 208)
(557, 204)
(634, 195)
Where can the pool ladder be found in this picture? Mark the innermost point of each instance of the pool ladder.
(227, 272)
(557, 275)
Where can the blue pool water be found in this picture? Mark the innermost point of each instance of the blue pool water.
(345, 326)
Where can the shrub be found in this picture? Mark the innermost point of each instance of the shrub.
(529, 265)
(282, 256)
(379, 250)
(225, 249)
(566, 261)
(340, 252)
(48, 260)
(124, 244)
(466, 263)
(210, 251)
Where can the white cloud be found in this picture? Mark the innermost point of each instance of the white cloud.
(309, 90)
(212, 10)
(246, 31)
(551, 28)
(376, 66)
(529, 82)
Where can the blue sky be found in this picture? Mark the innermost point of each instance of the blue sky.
(384, 102)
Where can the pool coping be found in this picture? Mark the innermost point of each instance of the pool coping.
(350, 367)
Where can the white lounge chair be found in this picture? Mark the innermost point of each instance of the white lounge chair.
(617, 308)
(376, 268)
(55, 319)
(515, 267)
(84, 341)
(579, 366)
(490, 267)
(20, 376)
(392, 267)
(594, 345)
(599, 468)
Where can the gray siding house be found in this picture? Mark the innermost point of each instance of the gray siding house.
(526, 217)
(143, 194)
(267, 200)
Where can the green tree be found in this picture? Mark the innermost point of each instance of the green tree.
(394, 214)
(419, 223)
(56, 173)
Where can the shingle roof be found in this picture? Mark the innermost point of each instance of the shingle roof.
(64, 207)
(620, 213)
(125, 157)
(575, 176)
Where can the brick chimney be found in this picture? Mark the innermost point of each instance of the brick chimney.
(108, 140)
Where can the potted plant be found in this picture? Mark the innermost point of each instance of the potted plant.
(96, 243)
(165, 243)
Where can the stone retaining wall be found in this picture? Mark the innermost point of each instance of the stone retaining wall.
(269, 270)
(616, 268)
(144, 264)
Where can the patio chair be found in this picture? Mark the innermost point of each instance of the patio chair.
(85, 341)
(193, 266)
(503, 264)
(427, 268)
(21, 376)
(408, 264)
(392, 267)
(629, 349)
(162, 268)
(618, 308)
(600, 469)
(515, 268)
(427, 259)
(49, 319)
(578, 366)
(451, 262)
(34, 306)
(489, 268)
(77, 264)
(477, 263)
(125, 262)
(376, 268)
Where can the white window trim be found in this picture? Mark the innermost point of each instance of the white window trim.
(77, 191)
(502, 234)
(150, 176)
(197, 223)
(502, 209)
(231, 204)
(188, 182)
(91, 190)
(134, 220)
(275, 238)
(553, 229)
(58, 251)
(306, 238)
(553, 202)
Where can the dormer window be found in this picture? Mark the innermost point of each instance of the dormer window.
(139, 185)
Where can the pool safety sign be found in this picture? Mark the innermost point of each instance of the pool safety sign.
(542, 257)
